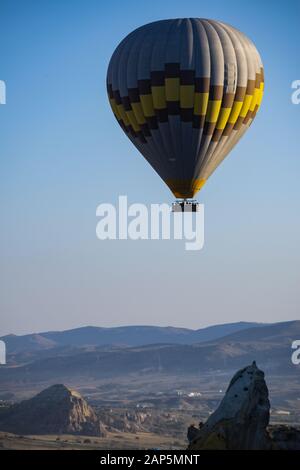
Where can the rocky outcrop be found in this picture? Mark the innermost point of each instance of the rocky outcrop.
(56, 410)
(242, 417)
(126, 421)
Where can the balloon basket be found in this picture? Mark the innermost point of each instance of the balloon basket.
(185, 206)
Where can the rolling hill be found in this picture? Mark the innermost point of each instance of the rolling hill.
(269, 345)
(127, 336)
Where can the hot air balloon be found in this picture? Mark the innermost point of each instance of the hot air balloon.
(185, 91)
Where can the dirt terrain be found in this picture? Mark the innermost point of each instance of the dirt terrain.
(136, 441)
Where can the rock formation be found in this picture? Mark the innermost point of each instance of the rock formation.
(56, 410)
(242, 417)
(241, 420)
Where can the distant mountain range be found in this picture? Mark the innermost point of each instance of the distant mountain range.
(269, 345)
(125, 336)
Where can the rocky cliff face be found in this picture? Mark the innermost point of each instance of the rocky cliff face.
(242, 417)
(56, 410)
(241, 420)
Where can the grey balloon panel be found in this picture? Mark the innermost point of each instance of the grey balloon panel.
(216, 52)
(227, 143)
(229, 57)
(144, 73)
(126, 77)
(131, 69)
(241, 59)
(147, 152)
(158, 64)
(249, 70)
(202, 50)
(210, 169)
(242, 78)
(187, 50)
(158, 61)
(159, 47)
(216, 79)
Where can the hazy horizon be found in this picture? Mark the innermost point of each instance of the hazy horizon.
(25, 332)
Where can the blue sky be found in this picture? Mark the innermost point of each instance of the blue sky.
(62, 153)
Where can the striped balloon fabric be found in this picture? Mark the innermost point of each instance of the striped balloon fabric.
(185, 91)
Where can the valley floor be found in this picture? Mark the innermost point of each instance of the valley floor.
(141, 440)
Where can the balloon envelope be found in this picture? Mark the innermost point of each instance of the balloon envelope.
(185, 91)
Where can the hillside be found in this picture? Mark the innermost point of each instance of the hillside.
(56, 410)
(128, 336)
(270, 345)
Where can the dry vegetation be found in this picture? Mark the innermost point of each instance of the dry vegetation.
(136, 441)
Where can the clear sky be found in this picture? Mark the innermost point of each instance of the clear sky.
(62, 153)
